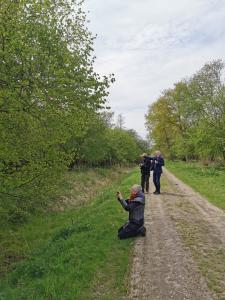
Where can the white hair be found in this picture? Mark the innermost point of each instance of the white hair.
(136, 188)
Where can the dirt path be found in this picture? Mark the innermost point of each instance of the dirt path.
(183, 254)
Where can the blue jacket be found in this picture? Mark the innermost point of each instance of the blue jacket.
(158, 167)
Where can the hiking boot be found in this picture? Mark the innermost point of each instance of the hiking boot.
(142, 231)
(156, 193)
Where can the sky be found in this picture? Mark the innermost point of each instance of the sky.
(151, 44)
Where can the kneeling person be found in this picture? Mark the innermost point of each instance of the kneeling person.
(135, 206)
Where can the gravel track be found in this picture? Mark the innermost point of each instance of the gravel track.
(178, 257)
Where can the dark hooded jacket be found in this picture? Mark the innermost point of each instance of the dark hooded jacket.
(146, 166)
(135, 208)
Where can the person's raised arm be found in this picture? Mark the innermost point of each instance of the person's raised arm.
(126, 206)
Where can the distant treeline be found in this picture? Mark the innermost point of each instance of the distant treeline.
(188, 121)
(53, 112)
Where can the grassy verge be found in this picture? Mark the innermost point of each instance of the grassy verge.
(209, 181)
(74, 254)
(76, 188)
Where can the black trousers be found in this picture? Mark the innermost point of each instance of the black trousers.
(129, 229)
(156, 180)
(145, 182)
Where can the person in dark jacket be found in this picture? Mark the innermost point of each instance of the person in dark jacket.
(145, 166)
(158, 162)
(135, 206)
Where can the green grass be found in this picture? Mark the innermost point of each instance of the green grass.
(73, 254)
(209, 181)
(75, 189)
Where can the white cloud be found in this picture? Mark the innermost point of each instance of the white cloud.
(151, 44)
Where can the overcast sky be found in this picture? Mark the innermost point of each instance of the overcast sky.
(151, 44)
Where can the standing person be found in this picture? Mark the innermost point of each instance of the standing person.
(157, 171)
(145, 166)
(135, 206)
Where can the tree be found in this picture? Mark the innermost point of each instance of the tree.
(120, 121)
(158, 121)
(188, 120)
(53, 111)
(48, 91)
(207, 90)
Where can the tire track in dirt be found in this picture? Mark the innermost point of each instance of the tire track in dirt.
(178, 256)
